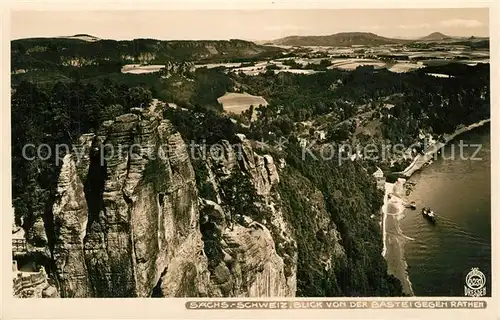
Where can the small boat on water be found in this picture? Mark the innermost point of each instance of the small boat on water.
(429, 214)
(411, 205)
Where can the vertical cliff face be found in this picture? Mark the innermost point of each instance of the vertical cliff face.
(126, 212)
(247, 259)
(70, 222)
(129, 221)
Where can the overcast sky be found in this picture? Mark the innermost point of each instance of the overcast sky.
(248, 24)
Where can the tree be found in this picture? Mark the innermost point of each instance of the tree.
(339, 133)
(139, 97)
(241, 197)
(111, 112)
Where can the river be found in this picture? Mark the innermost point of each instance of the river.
(438, 257)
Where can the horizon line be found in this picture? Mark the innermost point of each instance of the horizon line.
(247, 39)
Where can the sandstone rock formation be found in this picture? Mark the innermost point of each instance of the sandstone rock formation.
(180, 68)
(251, 265)
(32, 284)
(128, 219)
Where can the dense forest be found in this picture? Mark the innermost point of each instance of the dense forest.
(351, 198)
(423, 101)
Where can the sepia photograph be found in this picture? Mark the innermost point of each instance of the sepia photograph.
(292, 153)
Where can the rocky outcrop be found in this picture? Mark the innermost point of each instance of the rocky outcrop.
(32, 284)
(177, 68)
(261, 269)
(38, 234)
(128, 219)
(126, 212)
(262, 169)
(70, 222)
(250, 265)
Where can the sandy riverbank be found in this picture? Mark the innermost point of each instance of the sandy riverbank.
(393, 237)
(393, 211)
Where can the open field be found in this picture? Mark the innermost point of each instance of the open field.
(297, 71)
(351, 64)
(404, 67)
(238, 102)
(217, 65)
(140, 69)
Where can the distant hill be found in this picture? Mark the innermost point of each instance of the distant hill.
(87, 50)
(435, 36)
(338, 39)
(82, 36)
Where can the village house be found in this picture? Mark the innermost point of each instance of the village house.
(379, 177)
(320, 135)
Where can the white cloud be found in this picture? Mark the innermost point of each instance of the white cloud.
(461, 23)
(415, 26)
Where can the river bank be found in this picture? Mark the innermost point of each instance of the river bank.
(459, 191)
(420, 160)
(393, 237)
(393, 210)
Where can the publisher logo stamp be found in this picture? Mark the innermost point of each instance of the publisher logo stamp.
(475, 283)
